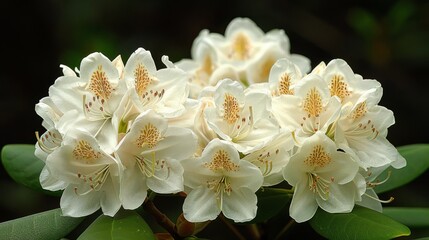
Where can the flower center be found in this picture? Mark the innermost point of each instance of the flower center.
(265, 70)
(149, 136)
(359, 111)
(284, 85)
(99, 84)
(318, 157)
(338, 87)
(142, 79)
(241, 47)
(221, 162)
(84, 151)
(313, 103)
(231, 109)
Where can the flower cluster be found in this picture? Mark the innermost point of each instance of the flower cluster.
(242, 114)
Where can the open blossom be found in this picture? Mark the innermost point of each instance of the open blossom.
(90, 174)
(151, 153)
(362, 128)
(309, 109)
(322, 177)
(220, 182)
(95, 94)
(164, 90)
(52, 138)
(240, 118)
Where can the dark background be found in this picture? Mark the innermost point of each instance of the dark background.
(384, 40)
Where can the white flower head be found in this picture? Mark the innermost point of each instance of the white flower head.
(91, 175)
(322, 177)
(309, 110)
(95, 95)
(164, 90)
(151, 153)
(242, 119)
(220, 182)
(283, 76)
(344, 83)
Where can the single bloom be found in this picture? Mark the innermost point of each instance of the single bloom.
(308, 110)
(164, 90)
(90, 174)
(240, 118)
(219, 181)
(321, 176)
(151, 152)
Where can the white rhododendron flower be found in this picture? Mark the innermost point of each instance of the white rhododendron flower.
(151, 153)
(322, 177)
(91, 175)
(310, 109)
(242, 119)
(164, 90)
(95, 94)
(220, 182)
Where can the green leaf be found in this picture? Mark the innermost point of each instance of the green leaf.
(361, 224)
(270, 202)
(417, 156)
(412, 217)
(125, 225)
(44, 226)
(23, 167)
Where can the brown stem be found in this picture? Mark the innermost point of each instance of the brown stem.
(285, 229)
(254, 231)
(232, 228)
(161, 218)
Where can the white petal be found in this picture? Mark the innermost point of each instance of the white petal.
(168, 179)
(301, 61)
(240, 205)
(75, 205)
(133, 189)
(201, 205)
(90, 64)
(195, 174)
(177, 143)
(303, 205)
(109, 201)
(340, 200)
(49, 182)
(248, 176)
(243, 24)
(370, 200)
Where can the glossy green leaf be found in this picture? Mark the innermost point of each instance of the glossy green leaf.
(361, 224)
(126, 225)
(23, 167)
(270, 202)
(412, 217)
(44, 226)
(417, 156)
